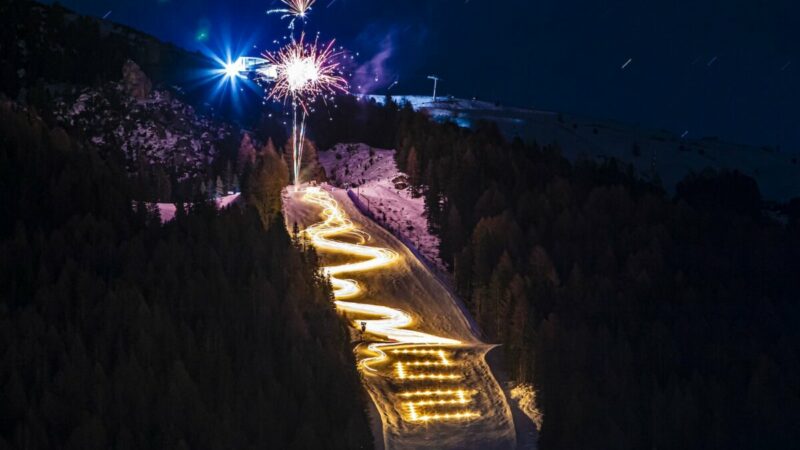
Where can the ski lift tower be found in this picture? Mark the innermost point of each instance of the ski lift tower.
(435, 83)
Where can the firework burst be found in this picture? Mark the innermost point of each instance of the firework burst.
(295, 9)
(305, 72)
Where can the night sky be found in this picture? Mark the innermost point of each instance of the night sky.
(715, 68)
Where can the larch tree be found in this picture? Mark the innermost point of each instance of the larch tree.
(266, 182)
(247, 153)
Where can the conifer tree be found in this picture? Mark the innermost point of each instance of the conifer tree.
(247, 153)
(266, 183)
(220, 187)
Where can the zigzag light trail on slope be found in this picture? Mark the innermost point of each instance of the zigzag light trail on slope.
(392, 325)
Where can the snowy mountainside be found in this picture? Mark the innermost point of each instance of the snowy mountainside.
(155, 130)
(352, 165)
(373, 175)
(652, 153)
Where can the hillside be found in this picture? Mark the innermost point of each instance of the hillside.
(209, 332)
(153, 130)
(373, 176)
(651, 152)
(120, 90)
(641, 319)
(127, 321)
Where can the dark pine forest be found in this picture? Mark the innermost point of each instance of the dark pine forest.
(214, 331)
(117, 332)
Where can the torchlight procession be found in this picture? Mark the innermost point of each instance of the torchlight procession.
(417, 357)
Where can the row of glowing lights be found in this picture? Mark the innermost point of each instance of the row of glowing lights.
(390, 324)
(455, 396)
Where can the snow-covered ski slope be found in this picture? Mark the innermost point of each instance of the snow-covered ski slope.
(439, 394)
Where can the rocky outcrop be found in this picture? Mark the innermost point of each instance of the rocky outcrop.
(135, 81)
(153, 131)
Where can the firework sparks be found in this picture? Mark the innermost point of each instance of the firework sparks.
(295, 9)
(304, 73)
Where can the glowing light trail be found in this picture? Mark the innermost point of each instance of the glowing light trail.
(436, 393)
(389, 324)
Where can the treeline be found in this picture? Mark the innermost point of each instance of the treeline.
(644, 321)
(117, 332)
(354, 120)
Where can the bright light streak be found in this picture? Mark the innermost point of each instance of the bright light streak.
(446, 397)
(436, 393)
(228, 73)
(234, 69)
(420, 357)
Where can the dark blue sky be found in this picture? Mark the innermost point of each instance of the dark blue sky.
(727, 68)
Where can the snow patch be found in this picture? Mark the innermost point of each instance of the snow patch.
(166, 211)
(525, 397)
